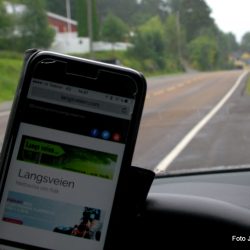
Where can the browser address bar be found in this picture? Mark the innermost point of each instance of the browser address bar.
(74, 101)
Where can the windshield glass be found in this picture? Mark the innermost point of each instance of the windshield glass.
(195, 55)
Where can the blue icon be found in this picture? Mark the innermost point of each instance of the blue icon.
(105, 135)
(94, 132)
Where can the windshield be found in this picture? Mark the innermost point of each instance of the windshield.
(195, 55)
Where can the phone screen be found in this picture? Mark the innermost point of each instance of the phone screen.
(64, 167)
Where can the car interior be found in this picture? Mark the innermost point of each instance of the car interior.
(190, 209)
(197, 211)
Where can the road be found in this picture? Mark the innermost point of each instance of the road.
(174, 105)
(173, 108)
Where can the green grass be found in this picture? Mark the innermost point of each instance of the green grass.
(248, 86)
(10, 68)
(11, 64)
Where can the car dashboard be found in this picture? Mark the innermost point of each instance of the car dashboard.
(196, 211)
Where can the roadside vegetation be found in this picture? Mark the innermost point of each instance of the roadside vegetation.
(248, 86)
(11, 64)
(10, 68)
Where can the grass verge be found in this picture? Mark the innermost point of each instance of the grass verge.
(248, 86)
(11, 64)
(10, 68)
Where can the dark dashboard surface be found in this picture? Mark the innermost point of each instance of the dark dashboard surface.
(231, 187)
(197, 211)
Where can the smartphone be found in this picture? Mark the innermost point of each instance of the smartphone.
(69, 141)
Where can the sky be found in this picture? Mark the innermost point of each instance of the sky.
(231, 15)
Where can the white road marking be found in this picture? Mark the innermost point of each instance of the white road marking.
(168, 159)
(4, 113)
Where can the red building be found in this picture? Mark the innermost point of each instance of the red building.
(61, 24)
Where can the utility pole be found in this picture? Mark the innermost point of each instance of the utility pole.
(90, 28)
(178, 30)
(68, 13)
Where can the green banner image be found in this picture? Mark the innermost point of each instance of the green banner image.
(67, 157)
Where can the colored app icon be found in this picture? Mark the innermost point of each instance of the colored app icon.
(105, 135)
(94, 132)
(116, 137)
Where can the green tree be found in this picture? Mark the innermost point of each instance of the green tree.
(120, 8)
(203, 53)
(175, 36)
(174, 5)
(226, 44)
(150, 8)
(149, 44)
(195, 17)
(133, 12)
(231, 42)
(245, 42)
(33, 28)
(6, 27)
(59, 7)
(114, 29)
(56, 6)
(82, 18)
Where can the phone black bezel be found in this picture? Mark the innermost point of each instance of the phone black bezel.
(116, 73)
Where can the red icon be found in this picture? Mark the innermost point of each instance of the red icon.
(116, 137)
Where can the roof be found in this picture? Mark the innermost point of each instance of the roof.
(61, 18)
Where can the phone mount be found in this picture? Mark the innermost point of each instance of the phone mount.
(132, 202)
(136, 189)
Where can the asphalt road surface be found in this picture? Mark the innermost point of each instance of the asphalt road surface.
(174, 105)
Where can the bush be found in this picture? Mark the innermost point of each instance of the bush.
(203, 53)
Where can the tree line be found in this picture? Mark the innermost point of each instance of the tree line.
(20, 31)
(166, 34)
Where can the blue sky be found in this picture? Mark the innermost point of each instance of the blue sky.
(231, 15)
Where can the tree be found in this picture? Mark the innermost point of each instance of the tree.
(133, 12)
(175, 36)
(33, 28)
(203, 53)
(59, 7)
(245, 42)
(114, 29)
(6, 27)
(120, 8)
(56, 6)
(195, 17)
(174, 5)
(231, 42)
(149, 44)
(82, 18)
(150, 8)
(226, 43)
